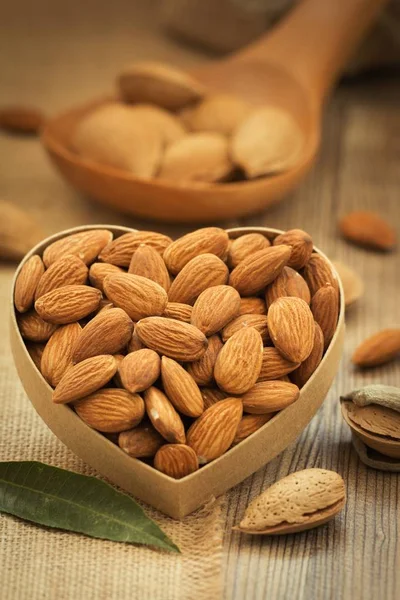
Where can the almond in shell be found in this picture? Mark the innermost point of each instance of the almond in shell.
(138, 296)
(202, 370)
(301, 244)
(142, 441)
(246, 245)
(85, 378)
(288, 283)
(163, 416)
(176, 460)
(258, 322)
(57, 355)
(378, 349)
(27, 282)
(269, 397)
(239, 362)
(120, 251)
(291, 327)
(258, 270)
(200, 273)
(175, 339)
(139, 370)
(111, 410)
(214, 308)
(325, 308)
(208, 240)
(33, 328)
(181, 388)
(68, 304)
(86, 245)
(147, 262)
(66, 270)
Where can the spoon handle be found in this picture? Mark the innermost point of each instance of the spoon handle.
(315, 40)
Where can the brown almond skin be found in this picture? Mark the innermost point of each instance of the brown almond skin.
(99, 271)
(35, 352)
(85, 378)
(239, 362)
(317, 273)
(163, 416)
(209, 240)
(68, 304)
(119, 252)
(111, 410)
(134, 343)
(378, 349)
(202, 370)
(107, 333)
(368, 229)
(301, 244)
(21, 119)
(147, 262)
(33, 328)
(181, 388)
(212, 395)
(256, 271)
(200, 273)
(57, 355)
(258, 322)
(214, 308)
(274, 365)
(176, 460)
(244, 246)
(291, 327)
(302, 374)
(141, 442)
(213, 433)
(27, 282)
(325, 308)
(139, 370)
(178, 311)
(269, 396)
(248, 425)
(86, 245)
(67, 270)
(138, 296)
(175, 339)
(252, 306)
(288, 283)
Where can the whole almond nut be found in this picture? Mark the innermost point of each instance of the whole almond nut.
(325, 308)
(353, 285)
(111, 410)
(86, 245)
(291, 327)
(258, 270)
(27, 282)
(57, 355)
(66, 270)
(317, 273)
(138, 296)
(288, 283)
(220, 113)
(367, 228)
(35, 352)
(202, 370)
(175, 339)
(246, 245)
(301, 244)
(248, 425)
(163, 416)
(378, 349)
(209, 240)
(85, 378)
(134, 343)
(212, 395)
(378, 420)
(147, 262)
(298, 502)
(239, 362)
(252, 306)
(140, 442)
(213, 433)
(107, 333)
(200, 273)
(99, 271)
(274, 365)
(18, 232)
(258, 322)
(139, 370)
(68, 304)
(21, 119)
(176, 460)
(269, 396)
(302, 374)
(214, 308)
(120, 251)
(181, 388)
(178, 311)
(33, 328)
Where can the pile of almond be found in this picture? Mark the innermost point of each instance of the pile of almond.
(165, 124)
(177, 350)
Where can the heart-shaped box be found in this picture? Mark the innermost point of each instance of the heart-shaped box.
(176, 498)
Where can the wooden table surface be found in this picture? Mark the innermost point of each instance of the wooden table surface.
(43, 61)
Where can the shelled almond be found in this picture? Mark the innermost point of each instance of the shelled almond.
(171, 345)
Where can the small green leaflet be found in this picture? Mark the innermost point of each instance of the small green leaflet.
(59, 498)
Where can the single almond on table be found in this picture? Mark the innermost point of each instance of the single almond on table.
(244, 246)
(120, 251)
(139, 370)
(57, 355)
(175, 339)
(176, 460)
(68, 304)
(200, 273)
(178, 311)
(301, 244)
(369, 229)
(220, 113)
(258, 322)
(252, 306)
(302, 374)
(142, 441)
(208, 240)
(269, 396)
(99, 271)
(163, 416)
(85, 378)
(202, 370)
(325, 308)
(35, 351)
(274, 365)
(181, 388)
(66, 270)
(214, 431)
(353, 285)
(248, 425)
(27, 282)
(378, 349)
(212, 395)
(111, 410)
(239, 362)
(18, 232)
(258, 270)
(214, 308)
(107, 333)
(291, 327)
(138, 296)
(86, 245)
(33, 328)
(21, 119)
(288, 283)
(378, 420)
(147, 262)
(317, 273)
(298, 502)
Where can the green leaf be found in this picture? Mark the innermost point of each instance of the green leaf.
(59, 498)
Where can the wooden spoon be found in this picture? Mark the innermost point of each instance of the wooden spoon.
(293, 67)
